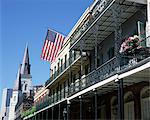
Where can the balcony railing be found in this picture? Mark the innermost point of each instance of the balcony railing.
(44, 103)
(63, 67)
(102, 72)
(49, 100)
(94, 11)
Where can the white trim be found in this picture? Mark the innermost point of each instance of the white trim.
(93, 87)
(145, 66)
(113, 78)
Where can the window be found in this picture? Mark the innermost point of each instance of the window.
(65, 60)
(86, 69)
(74, 55)
(58, 68)
(57, 93)
(53, 95)
(60, 88)
(145, 103)
(74, 78)
(79, 74)
(61, 68)
(114, 108)
(110, 53)
(52, 74)
(54, 71)
(64, 89)
(101, 60)
(25, 88)
(129, 106)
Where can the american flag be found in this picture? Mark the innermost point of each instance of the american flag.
(52, 45)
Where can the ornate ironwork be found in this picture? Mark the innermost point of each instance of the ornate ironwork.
(116, 12)
(93, 12)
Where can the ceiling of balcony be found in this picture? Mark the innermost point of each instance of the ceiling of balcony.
(106, 25)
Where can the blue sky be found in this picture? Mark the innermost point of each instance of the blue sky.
(23, 21)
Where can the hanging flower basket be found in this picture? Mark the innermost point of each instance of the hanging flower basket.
(131, 45)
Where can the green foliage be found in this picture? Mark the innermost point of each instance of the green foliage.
(28, 112)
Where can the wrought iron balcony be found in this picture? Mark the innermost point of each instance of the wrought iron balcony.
(93, 12)
(44, 103)
(105, 71)
(63, 68)
(102, 72)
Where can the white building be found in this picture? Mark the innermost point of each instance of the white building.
(7, 93)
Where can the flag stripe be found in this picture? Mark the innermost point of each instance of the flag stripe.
(44, 50)
(47, 51)
(57, 46)
(48, 58)
(53, 48)
(52, 45)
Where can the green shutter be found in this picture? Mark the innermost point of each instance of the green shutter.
(141, 32)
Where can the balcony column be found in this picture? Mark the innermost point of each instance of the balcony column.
(47, 114)
(70, 77)
(116, 12)
(52, 113)
(81, 107)
(95, 103)
(37, 117)
(59, 111)
(34, 117)
(42, 115)
(68, 110)
(120, 99)
(96, 45)
(81, 53)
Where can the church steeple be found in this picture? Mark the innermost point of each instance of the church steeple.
(18, 80)
(25, 69)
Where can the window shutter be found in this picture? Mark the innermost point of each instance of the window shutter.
(141, 32)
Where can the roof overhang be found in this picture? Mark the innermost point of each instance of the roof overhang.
(105, 21)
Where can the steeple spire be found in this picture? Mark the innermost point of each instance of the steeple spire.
(25, 69)
(18, 80)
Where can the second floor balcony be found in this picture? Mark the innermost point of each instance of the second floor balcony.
(63, 70)
(103, 72)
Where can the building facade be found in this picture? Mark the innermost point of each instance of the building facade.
(103, 70)
(22, 96)
(7, 94)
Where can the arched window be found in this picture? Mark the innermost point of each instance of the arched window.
(114, 108)
(102, 109)
(145, 103)
(129, 106)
